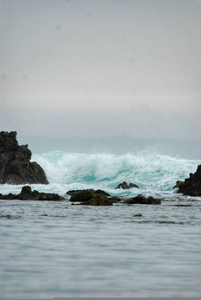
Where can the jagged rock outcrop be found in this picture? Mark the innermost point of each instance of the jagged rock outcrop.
(192, 185)
(124, 185)
(27, 194)
(15, 165)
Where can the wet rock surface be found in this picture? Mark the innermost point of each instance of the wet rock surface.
(15, 165)
(124, 185)
(95, 192)
(142, 200)
(27, 194)
(192, 185)
(9, 217)
(88, 197)
(98, 201)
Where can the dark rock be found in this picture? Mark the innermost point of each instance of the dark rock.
(98, 201)
(84, 195)
(10, 217)
(81, 196)
(124, 185)
(8, 141)
(6, 216)
(178, 184)
(95, 192)
(115, 199)
(10, 196)
(101, 192)
(27, 194)
(71, 192)
(183, 205)
(37, 174)
(192, 185)
(168, 222)
(92, 197)
(15, 165)
(142, 200)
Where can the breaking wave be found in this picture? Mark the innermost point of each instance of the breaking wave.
(150, 171)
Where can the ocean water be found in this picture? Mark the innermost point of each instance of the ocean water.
(54, 249)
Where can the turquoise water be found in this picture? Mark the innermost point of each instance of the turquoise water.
(54, 249)
(152, 172)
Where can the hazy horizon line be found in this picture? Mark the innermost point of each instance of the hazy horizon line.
(106, 137)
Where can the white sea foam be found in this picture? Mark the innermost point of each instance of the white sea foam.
(155, 174)
(152, 172)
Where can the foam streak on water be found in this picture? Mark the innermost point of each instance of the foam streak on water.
(53, 249)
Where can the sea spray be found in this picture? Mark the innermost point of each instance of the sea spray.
(153, 173)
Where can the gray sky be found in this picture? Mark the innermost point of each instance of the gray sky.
(101, 68)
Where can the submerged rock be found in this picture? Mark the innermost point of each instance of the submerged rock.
(96, 192)
(98, 201)
(27, 194)
(84, 195)
(192, 185)
(81, 196)
(116, 199)
(91, 197)
(124, 185)
(15, 165)
(142, 200)
(10, 217)
(9, 196)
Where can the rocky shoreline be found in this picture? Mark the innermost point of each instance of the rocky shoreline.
(100, 197)
(16, 168)
(81, 197)
(27, 194)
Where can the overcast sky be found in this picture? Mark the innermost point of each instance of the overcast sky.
(101, 68)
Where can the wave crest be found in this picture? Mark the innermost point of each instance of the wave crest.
(147, 170)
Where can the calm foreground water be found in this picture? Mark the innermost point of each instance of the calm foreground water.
(51, 249)
(55, 249)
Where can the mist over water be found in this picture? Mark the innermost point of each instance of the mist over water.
(122, 144)
(153, 173)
